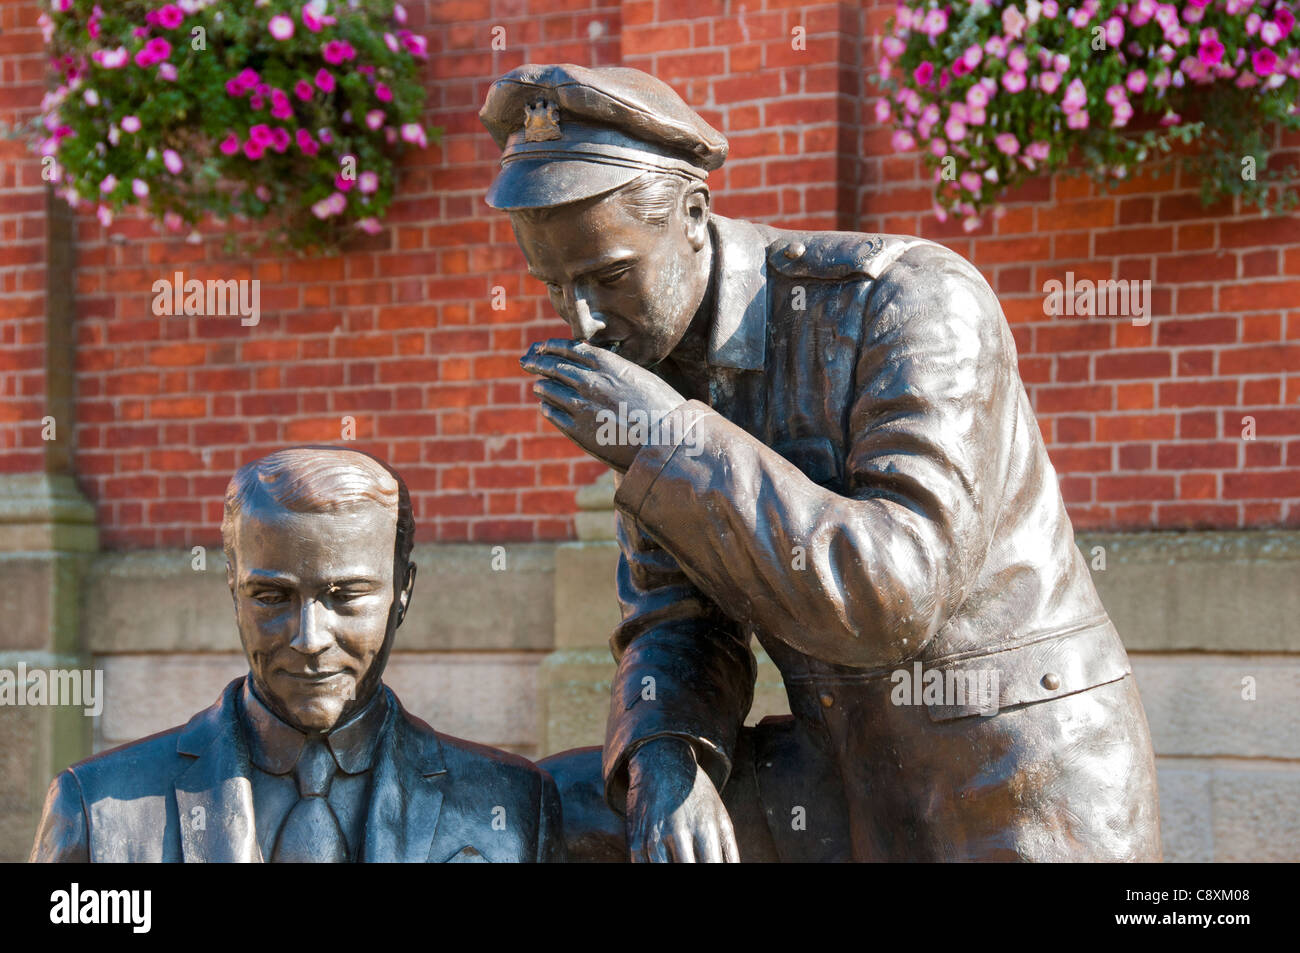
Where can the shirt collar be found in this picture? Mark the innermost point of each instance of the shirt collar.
(274, 746)
(738, 336)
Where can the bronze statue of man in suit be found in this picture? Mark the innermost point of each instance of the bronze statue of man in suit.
(830, 450)
(310, 757)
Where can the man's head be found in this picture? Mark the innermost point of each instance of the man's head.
(628, 269)
(318, 543)
(603, 173)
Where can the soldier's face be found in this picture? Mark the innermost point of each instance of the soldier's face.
(315, 605)
(618, 281)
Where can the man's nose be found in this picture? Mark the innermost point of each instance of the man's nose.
(312, 636)
(583, 324)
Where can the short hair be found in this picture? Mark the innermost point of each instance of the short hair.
(650, 197)
(319, 479)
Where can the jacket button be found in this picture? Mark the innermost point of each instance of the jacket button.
(1051, 681)
(828, 700)
(795, 250)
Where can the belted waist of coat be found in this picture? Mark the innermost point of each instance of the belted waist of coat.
(1035, 669)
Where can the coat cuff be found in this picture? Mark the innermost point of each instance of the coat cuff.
(651, 459)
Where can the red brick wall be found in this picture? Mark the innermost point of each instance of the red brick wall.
(22, 247)
(1143, 423)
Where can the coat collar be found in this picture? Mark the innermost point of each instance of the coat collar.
(738, 336)
(214, 795)
(274, 746)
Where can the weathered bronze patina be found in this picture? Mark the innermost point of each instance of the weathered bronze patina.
(310, 757)
(838, 459)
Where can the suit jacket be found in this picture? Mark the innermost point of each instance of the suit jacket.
(864, 487)
(185, 795)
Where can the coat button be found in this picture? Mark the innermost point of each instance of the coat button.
(827, 700)
(1051, 681)
(795, 250)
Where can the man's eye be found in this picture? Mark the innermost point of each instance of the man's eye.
(269, 597)
(612, 277)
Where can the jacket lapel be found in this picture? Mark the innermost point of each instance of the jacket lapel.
(214, 796)
(407, 792)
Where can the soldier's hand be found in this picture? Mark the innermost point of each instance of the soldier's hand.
(674, 813)
(604, 403)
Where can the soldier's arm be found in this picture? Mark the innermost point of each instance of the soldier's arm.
(62, 836)
(684, 670)
(884, 566)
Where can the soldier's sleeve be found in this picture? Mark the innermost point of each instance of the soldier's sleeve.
(864, 579)
(684, 669)
(62, 836)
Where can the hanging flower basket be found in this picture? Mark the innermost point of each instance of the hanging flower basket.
(286, 113)
(996, 93)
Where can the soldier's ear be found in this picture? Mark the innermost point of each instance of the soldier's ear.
(696, 207)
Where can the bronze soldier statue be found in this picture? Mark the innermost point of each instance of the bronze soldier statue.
(310, 757)
(835, 456)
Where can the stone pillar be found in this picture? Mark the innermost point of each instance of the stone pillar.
(47, 533)
(573, 695)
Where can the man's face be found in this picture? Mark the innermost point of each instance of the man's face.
(619, 282)
(314, 602)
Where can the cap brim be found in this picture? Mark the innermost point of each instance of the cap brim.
(542, 183)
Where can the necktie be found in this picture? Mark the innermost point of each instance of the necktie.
(311, 833)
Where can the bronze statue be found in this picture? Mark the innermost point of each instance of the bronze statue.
(838, 458)
(310, 757)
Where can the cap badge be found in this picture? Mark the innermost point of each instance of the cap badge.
(541, 121)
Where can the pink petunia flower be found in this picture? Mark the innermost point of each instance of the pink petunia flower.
(368, 182)
(370, 225)
(281, 27)
(140, 188)
(1076, 96)
(302, 89)
(1263, 61)
(172, 161)
(1007, 143)
(374, 118)
(280, 139)
(310, 18)
(254, 149)
(337, 51)
(1136, 82)
(324, 80)
(229, 145)
(383, 93)
(130, 124)
(170, 17)
(306, 143)
(923, 73)
(1013, 22)
(418, 47)
(902, 141)
(111, 59)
